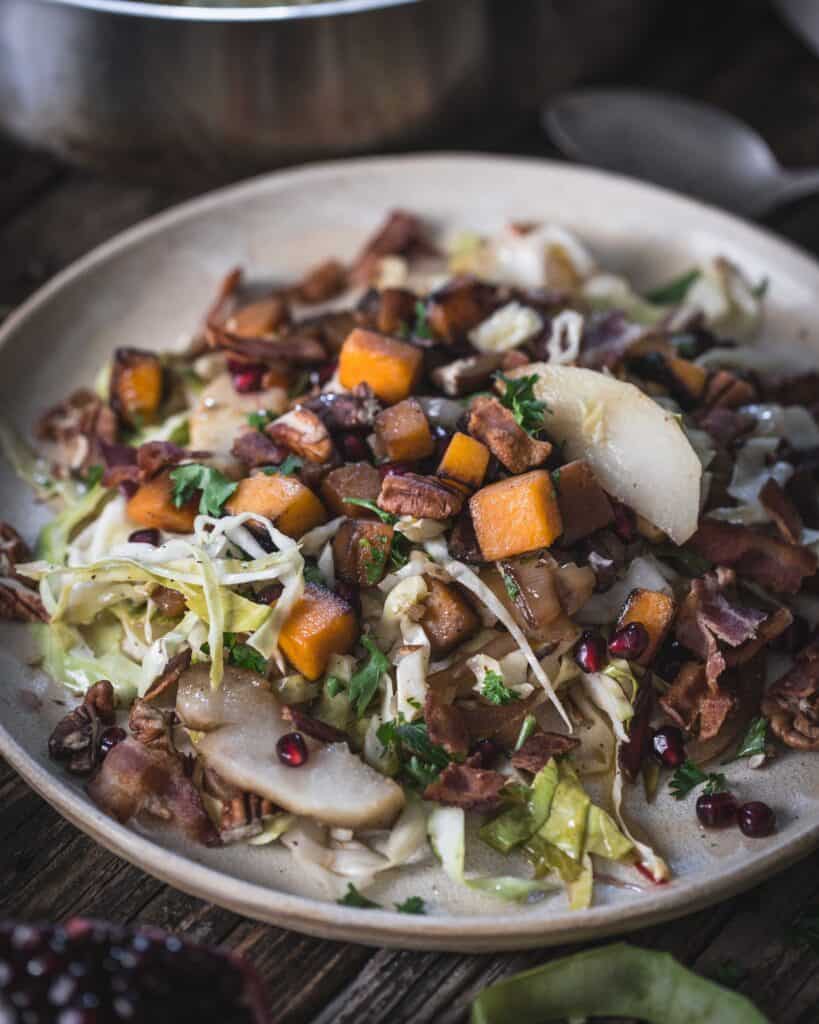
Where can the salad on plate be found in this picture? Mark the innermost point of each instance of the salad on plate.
(462, 544)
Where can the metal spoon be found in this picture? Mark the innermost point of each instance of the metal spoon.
(684, 145)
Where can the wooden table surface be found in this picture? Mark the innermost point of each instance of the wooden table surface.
(736, 54)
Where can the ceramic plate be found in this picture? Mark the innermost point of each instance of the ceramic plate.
(149, 287)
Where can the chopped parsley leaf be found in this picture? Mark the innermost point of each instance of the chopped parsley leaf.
(411, 905)
(374, 558)
(94, 476)
(364, 682)
(674, 291)
(519, 398)
(260, 418)
(334, 686)
(754, 741)
(688, 776)
(312, 574)
(385, 517)
(353, 898)
(292, 464)
(399, 552)
(495, 690)
(512, 589)
(240, 654)
(215, 488)
(421, 327)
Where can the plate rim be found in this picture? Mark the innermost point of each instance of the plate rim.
(447, 932)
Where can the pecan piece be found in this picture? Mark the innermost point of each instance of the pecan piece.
(151, 726)
(255, 449)
(323, 282)
(782, 511)
(170, 675)
(423, 497)
(79, 427)
(76, 738)
(355, 410)
(13, 549)
(792, 702)
(494, 425)
(301, 431)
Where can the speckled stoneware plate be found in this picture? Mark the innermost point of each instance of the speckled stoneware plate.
(149, 287)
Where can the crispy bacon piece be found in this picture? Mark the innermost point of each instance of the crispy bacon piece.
(499, 722)
(708, 615)
(772, 563)
(313, 727)
(494, 425)
(474, 789)
(423, 497)
(540, 748)
(445, 725)
(607, 337)
(782, 511)
(691, 703)
(170, 675)
(792, 702)
(299, 346)
(401, 234)
(255, 449)
(79, 427)
(323, 282)
(136, 779)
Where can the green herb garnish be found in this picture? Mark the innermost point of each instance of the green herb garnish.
(512, 589)
(519, 398)
(427, 758)
(399, 552)
(260, 418)
(753, 742)
(292, 464)
(675, 291)
(353, 898)
(688, 776)
(94, 476)
(385, 517)
(411, 905)
(364, 682)
(240, 654)
(312, 574)
(215, 488)
(374, 555)
(299, 384)
(526, 730)
(421, 328)
(334, 686)
(495, 690)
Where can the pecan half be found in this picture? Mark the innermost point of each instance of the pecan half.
(78, 427)
(76, 738)
(151, 726)
(423, 497)
(302, 432)
(170, 675)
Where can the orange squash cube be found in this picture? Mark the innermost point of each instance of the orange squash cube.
(654, 610)
(465, 461)
(403, 432)
(291, 506)
(321, 624)
(516, 515)
(391, 368)
(152, 506)
(137, 383)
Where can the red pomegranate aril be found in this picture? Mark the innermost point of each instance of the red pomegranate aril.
(150, 536)
(756, 819)
(590, 651)
(625, 522)
(323, 373)
(292, 749)
(630, 641)
(354, 448)
(248, 379)
(668, 746)
(110, 738)
(484, 753)
(716, 810)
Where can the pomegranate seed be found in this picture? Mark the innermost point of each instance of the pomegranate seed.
(248, 379)
(670, 660)
(483, 753)
(756, 819)
(590, 651)
(354, 448)
(716, 810)
(323, 373)
(630, 641)
(396, 468)
(625, 522)
(145, 537)
(668, 746)
(110, 738)
(292, 749)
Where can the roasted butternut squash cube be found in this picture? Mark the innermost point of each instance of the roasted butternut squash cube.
(584, 505)
(449, 619)
(137, 382)
(292, 507)
(654, 610)
(321, 624)
(516, 515)
(403, 432)
(355, 480)
(152, 506)
(465, 461)
(691, 378)
(361, 551)
(391, 368)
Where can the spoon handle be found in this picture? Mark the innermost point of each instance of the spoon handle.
(791, 185)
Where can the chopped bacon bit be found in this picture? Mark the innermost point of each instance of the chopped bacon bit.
(135, 779)
(445, 725)
(494, 425)
(772, 563)
(540, 748)
(299, 347)
(313, 727)
(355, 410)
(782, 511)
(499, 722)
(474, 789)
(690, 701)
(255, 449)
(401, 234)
(323, 282)
(79, 426)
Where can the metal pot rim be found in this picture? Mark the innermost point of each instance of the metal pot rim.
(275, 12)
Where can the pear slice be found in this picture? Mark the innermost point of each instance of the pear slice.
(637, 449)
(242, 721)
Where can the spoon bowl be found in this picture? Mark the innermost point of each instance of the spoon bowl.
(676, 142)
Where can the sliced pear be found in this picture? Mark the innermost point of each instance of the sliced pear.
(221, 413)
(637, 449)
(243, 720)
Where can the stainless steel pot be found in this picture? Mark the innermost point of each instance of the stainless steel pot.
(205, 94)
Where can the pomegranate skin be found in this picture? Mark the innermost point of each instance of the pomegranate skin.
(630, 641)
(590, 651)
(292, 750)
(756, 819)
(717, 810)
